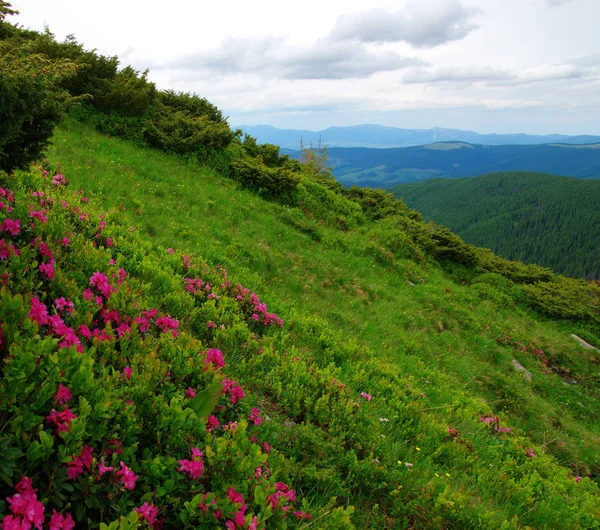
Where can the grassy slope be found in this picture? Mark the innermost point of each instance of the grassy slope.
(534, 217)
(437, 337)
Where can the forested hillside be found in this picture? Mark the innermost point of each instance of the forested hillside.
(197, 332)
(385, 167)
(532, 217)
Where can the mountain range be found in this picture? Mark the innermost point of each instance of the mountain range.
(383, 168)
(380, 136)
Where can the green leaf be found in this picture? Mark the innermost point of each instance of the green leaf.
(260, 496)
(206, 400)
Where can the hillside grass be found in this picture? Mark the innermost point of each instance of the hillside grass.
(394, 325)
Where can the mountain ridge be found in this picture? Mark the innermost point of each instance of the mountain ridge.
(383, 136)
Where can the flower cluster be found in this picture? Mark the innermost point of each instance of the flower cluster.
(195, 467)
(494, 421)
(235, 391)
(254, 417)
(127, 476)
(78, 463)
(256, 307)
(214, 357)
(27, 511)
(61, 420)
(366, 396)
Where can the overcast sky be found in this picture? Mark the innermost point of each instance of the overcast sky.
(485, 65)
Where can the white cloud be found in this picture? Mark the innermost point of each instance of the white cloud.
(556, 3)
(471, 74)
(272, 57)
(417, 25)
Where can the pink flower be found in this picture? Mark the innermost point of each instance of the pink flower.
(530, 453)
(39, 215)
(213, 423)
(122, 329)
(64, 305)
(215, 357)
(170, 251)
(26, 508)
(366, 396)
(38, 312)
(167, 323)
(127, 477)
(66, 242)
(61, 420)
(577, 478)
(84, 331)
(255, 417)
(194, 468)
(143, 324)
(63, 394)
(302, 515)
(61, 522)
(211, 324)
(190, 392)
(47, 270)
(147, 512)
(12, 227)
(234, 496)
(234, 389)
(102, 468)
(7, 249)
(59, 180)
(86, 456)
(100, 281)
(127, 371)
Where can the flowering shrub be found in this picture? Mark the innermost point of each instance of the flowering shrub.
(109, 408)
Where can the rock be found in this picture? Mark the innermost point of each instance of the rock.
(572, 381)
(586, 345)
(520, 368)
(409, 283)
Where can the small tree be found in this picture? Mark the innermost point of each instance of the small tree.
(315, 159)
(32, 102)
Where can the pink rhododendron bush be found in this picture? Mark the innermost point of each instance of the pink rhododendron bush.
(116, 407)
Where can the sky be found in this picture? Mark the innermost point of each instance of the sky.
(504, 66)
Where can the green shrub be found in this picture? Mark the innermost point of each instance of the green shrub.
(32, 102)
(275, 182)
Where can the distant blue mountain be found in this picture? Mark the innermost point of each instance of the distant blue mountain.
(379, 136)
(383, 168)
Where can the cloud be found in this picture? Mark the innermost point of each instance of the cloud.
(454, 74)
(271, 57)
(418, 26)
(498, 77)
(556, 3)
(545, 73)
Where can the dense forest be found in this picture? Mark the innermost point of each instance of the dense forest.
(533, 217)
(197, 332)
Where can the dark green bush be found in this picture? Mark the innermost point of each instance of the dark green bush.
(253, 173)
(31, 102)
